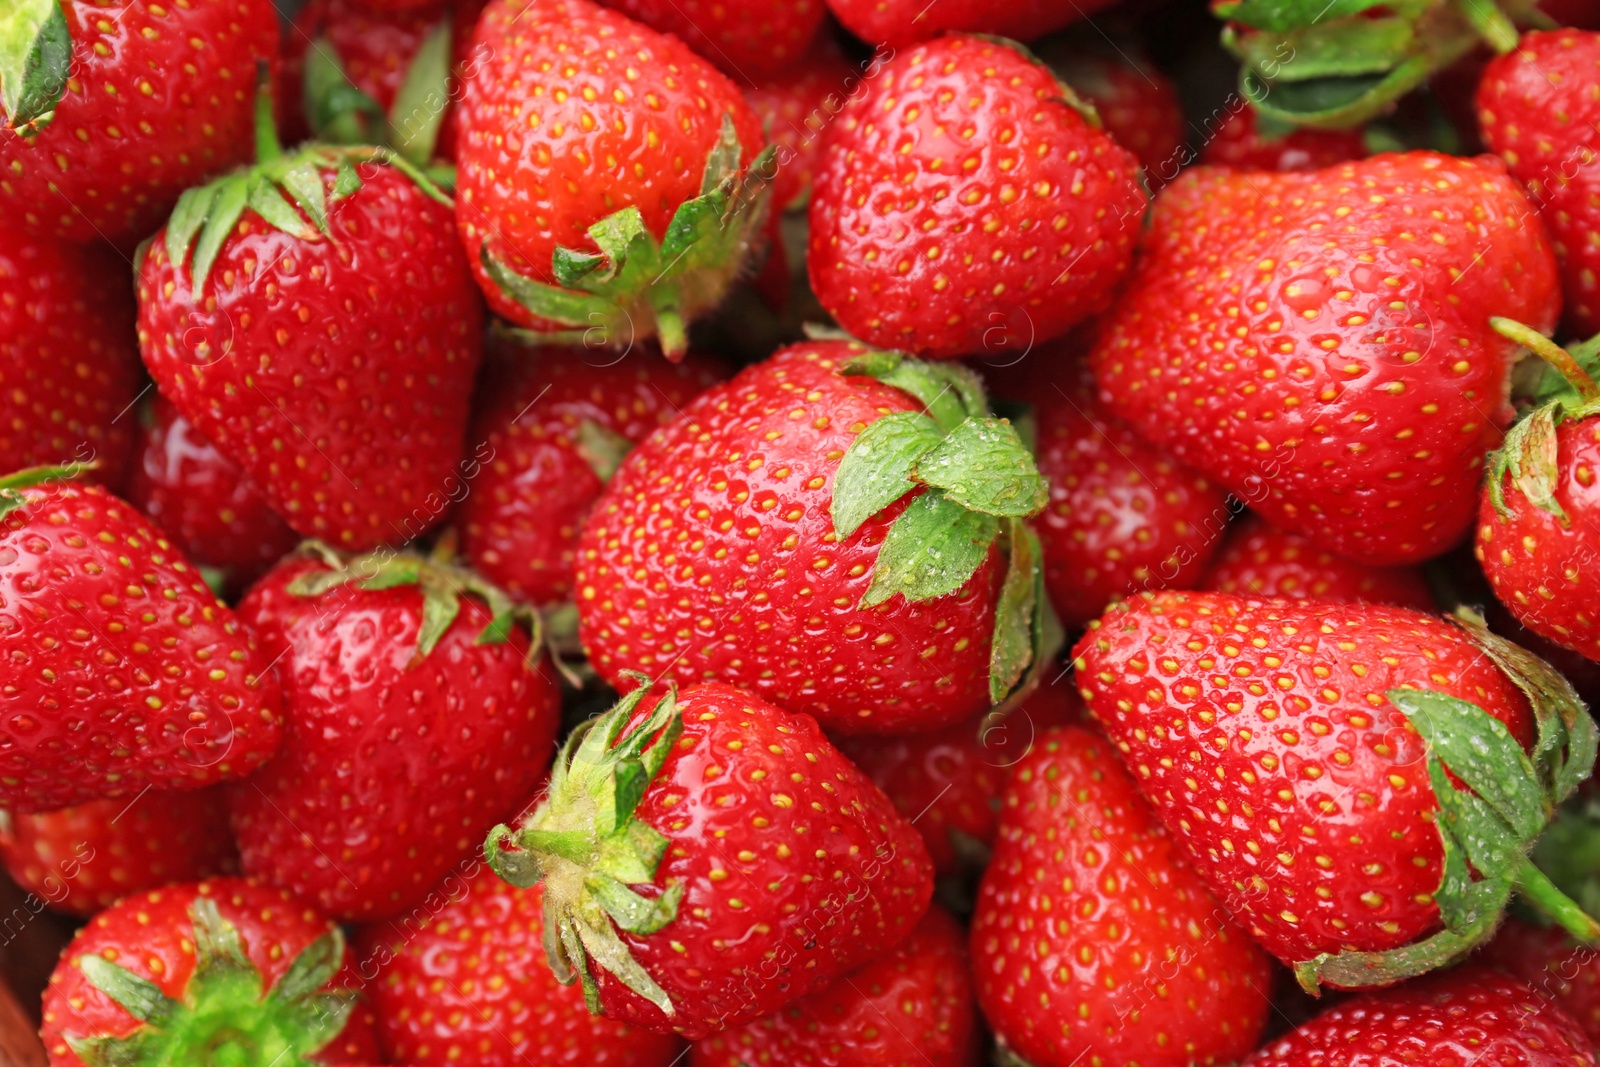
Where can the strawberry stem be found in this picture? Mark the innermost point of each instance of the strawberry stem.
(268, 147)
(1492, 24)
(1542, 893)
(1550, 352)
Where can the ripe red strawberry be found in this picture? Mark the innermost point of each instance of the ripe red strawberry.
(69, 366)
(418, 715)
(1348, 388)
(1536, 112)
(1093, 941)
(1123, 515)
(1296, 750)
(555, 423)
(708, 860)
(746, 38)
(948, 782)
(936, 221)
(83, 859)
(467, 982)
(1555, 967)
(1258, 561)
(1470, 1015)
(124, 672)
(1238, 141)
(603, 169)
(796, 105)
(1536, 537)
(203, 501)
(902, 22)
(911, 1008)
(1137, 104)
(105, 119)
(223, 971)
(327, 347)
(809, 532)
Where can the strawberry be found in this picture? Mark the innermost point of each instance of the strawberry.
(1123, 515)
(85, 858)
(1137, 104)
(795, 105)
(710, 859)
(912, 1008)
(1536, 112)
(948, 782)
(418, 714)
(108, 118)
(603, 174)
(1348, 389)
(1087, 918)
(1258, 561)
(204, 502)
(903, 22)
(1465, 1016)
(1244, 140)
(744, 37)
(1297, 751)
(467, 982)
(125, 671)
(1554, 966)
(811, 532)
(962, 193)
(222, 971)
(301, 338)
(69, 368)
(557, 421)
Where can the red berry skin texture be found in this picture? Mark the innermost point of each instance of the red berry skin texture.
(642, 141)
(911, 1008)
(124, 671)
(1123, 515)
(1546, 570)
(1138, 105)
(83, 859)
(1470, 1015)
(1092, 940)
(1258, 561)
(550, 422)
(393, 767)
(903, 22)
(746, 38)
(1313, 360)
(1554, 966)
(1221, 702)
(796, 105)
(1535, 112)
(304, 360)
(151, 934)
(69, 363)
(959, 194)
(1236, 142)
(755, 588)
(159, 98)
(203, 501)
(465, 981)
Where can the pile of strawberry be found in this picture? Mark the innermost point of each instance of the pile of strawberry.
(790, 533)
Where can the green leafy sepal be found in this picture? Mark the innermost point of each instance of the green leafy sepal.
(1564, 389)
(224, 1016)
(1494, 802)
(35, 62)
(12, 485)
(586, 846)
(340, 113)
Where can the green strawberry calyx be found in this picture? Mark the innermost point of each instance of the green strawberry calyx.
(224, 1016)
(12, 485)
(339, 113)
(1494, 802)
(35, 62)
(1336, 64)
(976, 484)
(634, 286)
(591, 852)
(1529, 456)
(287, 190)
(442, 584)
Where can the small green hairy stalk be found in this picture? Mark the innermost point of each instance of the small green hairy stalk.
(339, 113)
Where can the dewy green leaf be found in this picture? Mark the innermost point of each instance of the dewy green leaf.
(932, 549)
(1011, 648)
(1280, 16)
(1488, 841)
(936, 391)
(224, 212)
(983, 465)
(35, 59)
(876, 468)
(420, 103)
(139, 997)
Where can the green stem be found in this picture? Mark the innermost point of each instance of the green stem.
(268, 147)
(1491, 23)
(1550, 352)
(1542, 893)
(568, 844)
(671, 330)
